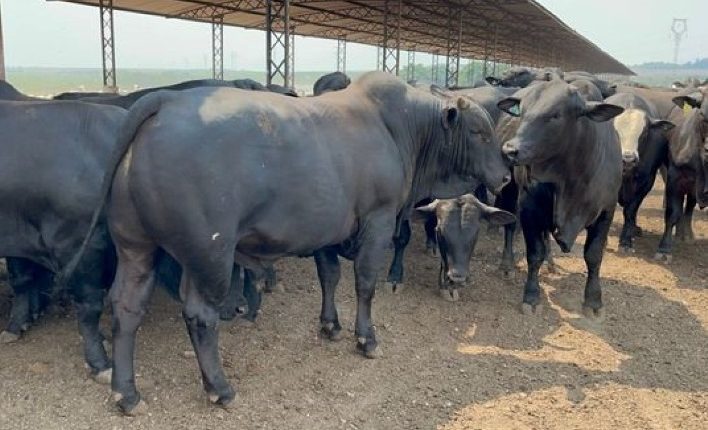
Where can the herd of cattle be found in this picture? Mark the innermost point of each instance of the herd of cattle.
(199, 187)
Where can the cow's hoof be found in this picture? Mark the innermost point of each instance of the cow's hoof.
(397, 288)
(626, 250)
(131, 409)
(450, 295)
(529, 309)
(597, 315)
(369, 348)
(226, 402)
(662, 257)
(331, 331)
(103, 377)
(638, 232)
(6, 337)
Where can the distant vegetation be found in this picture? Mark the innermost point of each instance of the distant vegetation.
(658, 65)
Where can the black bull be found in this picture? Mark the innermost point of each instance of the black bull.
(218, 176)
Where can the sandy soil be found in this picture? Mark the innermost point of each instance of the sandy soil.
(475, 364)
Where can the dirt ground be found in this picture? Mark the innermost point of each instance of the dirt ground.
(475, 364)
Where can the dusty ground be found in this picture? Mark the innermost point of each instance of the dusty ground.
(475, 364)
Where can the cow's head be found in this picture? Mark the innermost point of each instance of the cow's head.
(690, 146)
(457, 231)
(633, 127)
(514, 77)
(549, 113)
(472, 152)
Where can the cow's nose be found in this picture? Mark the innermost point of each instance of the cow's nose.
(630, 157)
(511, 151)
(455, 276)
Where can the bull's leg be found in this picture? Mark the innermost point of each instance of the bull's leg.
(31, 284)
(252, 294)
(508, 201)
(550, 263)
(328, 271)
(400, 242)
(234, 298)
(536, 210)
(684, 229)
(88, 292)
(431, 241)
(271, 280)
(372, 242)
(594, 249)
(630, 224)
(130, 294)
(201, 318)
(672, 215)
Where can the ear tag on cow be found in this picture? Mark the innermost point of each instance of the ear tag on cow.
(687, 108)
(515, 110)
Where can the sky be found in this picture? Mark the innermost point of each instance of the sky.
(38, 33)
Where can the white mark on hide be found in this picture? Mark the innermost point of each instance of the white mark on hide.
(215, 235)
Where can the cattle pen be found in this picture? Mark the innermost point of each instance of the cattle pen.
(478, 361)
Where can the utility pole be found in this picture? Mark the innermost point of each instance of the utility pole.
(679, 27)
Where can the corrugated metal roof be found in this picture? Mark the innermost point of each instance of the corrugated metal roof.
(513, 31)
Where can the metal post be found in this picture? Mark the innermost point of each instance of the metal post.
(342, 55)
(105, 8)
(278, 41)
(486, 58)
(391, 39)
(217, 47)
(410, 71)
(470, 72)
(494, 54)
(379, 58)
(435, 66)
(2, 51)
(291, 84)
(454, 42)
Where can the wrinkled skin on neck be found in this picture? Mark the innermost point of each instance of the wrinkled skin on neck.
(558, 144)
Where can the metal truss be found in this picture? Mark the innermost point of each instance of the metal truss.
(454, 44)
(105, 8)
(391, 37)
(217, 47)
(410, 70)
(379, 58)
(342, 55)
(291, 81)
(278, 42)
(435, 66)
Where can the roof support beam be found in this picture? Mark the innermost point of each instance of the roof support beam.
(217, 47)
(342, 55)
(105, 9)
(278, 42)
(454, 43)
(434, 69)
(391, 36)
(410, 70)
(2, 51)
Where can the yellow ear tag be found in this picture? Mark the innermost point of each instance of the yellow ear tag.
(686, 108)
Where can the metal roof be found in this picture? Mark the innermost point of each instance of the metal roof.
(512, 31)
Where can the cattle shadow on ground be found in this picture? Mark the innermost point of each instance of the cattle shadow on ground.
(647, 342)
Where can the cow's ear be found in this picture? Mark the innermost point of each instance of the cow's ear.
(510, 105)
(430, 207)
(450, 117)
(662, 124)
(601, 112)
(496, 216)
(491, 80)
(682, 101)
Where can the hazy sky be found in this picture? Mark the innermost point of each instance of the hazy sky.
(40, 33)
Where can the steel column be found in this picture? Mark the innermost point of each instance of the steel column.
(217, 47)
(410, 71)
(291, 83)
(435, 65)
(2, 51)
(105, 9)
(494, 55)
(470, 72)
(342, 55)
(454, 42)
(391, 38)
(278, 41)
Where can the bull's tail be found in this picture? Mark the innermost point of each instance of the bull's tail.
(143, 109)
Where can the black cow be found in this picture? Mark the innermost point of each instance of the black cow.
(8, 92)
(523, 76)
(645, 149)
(126, 101)
(572, 159)
(252, 177)
(457, 231)
(588, 90)
(687, 176)
(606, 89)
(331, 82)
